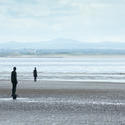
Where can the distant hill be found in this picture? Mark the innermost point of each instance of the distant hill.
(62, 44)
(61, 47)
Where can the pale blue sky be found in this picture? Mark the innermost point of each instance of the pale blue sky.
(83, 20)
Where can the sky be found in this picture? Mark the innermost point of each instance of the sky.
(81, 20)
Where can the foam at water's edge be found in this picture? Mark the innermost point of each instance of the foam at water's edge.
(10, 99)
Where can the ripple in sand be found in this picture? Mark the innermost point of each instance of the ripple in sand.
(52, 100)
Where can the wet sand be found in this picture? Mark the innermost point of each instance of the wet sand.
(63, 103)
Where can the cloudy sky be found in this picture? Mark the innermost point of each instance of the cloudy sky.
(83, 20)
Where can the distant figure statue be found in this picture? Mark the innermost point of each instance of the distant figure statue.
(35, 74)
(14, 82)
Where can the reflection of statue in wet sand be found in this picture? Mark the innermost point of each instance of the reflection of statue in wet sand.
(14, 82)
(35, 74)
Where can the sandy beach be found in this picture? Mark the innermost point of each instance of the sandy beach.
(63, 103)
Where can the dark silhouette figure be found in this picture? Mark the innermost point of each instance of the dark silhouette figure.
(14, 82)
(35, 74)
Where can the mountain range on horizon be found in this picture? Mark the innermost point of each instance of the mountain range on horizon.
(62, 44)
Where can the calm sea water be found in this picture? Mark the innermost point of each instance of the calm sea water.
(81, 69)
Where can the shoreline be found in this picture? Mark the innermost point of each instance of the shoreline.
(61, 87)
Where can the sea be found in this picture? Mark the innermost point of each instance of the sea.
(81, 68)
(86, 107)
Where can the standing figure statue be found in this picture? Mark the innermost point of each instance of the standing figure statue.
(14, 82)
(35, 74)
